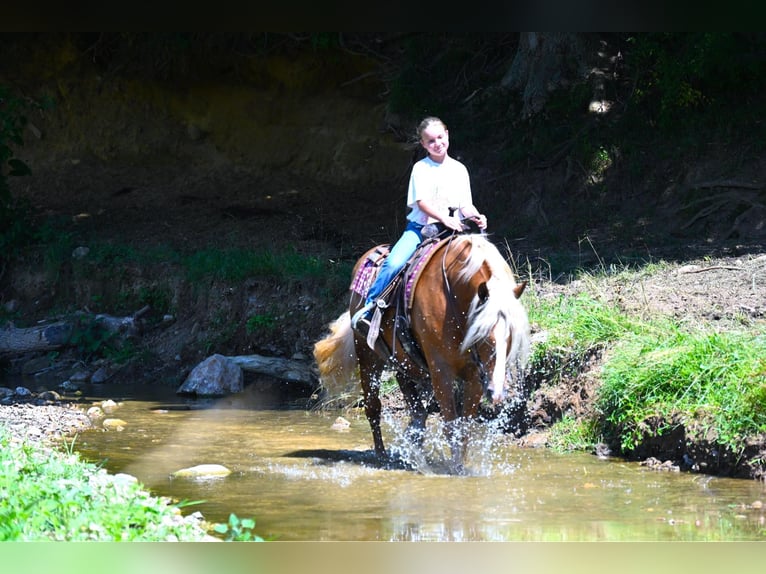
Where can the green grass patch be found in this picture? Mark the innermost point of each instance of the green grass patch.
(715, 380)
(712, 382)
(240, 264)
(574, 327)
(47, 494)
(570, 434)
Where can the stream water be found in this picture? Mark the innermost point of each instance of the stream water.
(303, 480)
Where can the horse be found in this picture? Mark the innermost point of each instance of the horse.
(467, 333)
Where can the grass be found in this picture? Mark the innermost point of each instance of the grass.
(240, 264)
(51, 495)
(714, 382)
(574, 327)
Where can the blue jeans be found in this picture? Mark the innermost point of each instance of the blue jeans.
(396, 260)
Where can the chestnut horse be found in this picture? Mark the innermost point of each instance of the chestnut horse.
(467, 334)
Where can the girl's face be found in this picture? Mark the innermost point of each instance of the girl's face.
(435, 140)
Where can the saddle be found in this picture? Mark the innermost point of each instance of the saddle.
(400, 290)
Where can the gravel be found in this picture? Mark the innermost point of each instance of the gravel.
(42, 423)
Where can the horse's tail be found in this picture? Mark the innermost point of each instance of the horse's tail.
(336, 359)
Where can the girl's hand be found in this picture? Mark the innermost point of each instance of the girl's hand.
(481, 220)
(453, 223)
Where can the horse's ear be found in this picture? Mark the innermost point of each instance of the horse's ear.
(482, 292)
(519, 289)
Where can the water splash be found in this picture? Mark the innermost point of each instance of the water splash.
(429, 454)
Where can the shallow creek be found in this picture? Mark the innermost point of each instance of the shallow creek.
(303, 480)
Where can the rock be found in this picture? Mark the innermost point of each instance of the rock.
(202, 471)
(602, 450)
(216, 376)
(95, 413)
(80, 252)
(341, 424)
(50, 396)
(80, 376)
(109, 406)
(656, 464)
(114, 424)
(100, 376)
(69, 386)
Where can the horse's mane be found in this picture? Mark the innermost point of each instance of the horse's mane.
(483, 314)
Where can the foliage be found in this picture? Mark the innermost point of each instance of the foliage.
(570, 434)
(717, 380)
(679, 73)
(653, 370)
(575, 327)
(46, 494)
(238, 530)
(259, 322)
(91, 340)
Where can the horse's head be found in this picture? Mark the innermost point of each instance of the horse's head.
(497, 332)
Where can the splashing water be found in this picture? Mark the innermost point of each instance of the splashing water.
(486, 453)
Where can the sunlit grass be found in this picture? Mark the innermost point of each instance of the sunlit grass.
(713, 382)
(47, 494)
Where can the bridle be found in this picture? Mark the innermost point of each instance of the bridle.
(483, 374)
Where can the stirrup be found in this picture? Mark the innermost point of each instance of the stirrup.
(363, 313)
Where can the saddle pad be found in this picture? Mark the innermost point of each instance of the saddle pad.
(415, 267)
(368, 270)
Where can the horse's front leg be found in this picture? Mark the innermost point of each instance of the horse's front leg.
(458, 415)
(456, 433)
(443, 381)
(418, 413)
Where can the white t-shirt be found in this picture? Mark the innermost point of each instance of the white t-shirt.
(441, 185)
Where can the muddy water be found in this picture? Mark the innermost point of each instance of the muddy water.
(302, 480)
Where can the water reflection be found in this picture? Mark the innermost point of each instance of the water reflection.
(302, 480)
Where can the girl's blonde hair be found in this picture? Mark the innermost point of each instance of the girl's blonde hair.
(423, 125)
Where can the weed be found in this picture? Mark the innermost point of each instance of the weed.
(259, 322)
(238, 530)
(570, 434)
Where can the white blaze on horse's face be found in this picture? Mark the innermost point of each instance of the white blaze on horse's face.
(500, 336)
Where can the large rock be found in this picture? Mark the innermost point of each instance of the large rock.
(216, 376)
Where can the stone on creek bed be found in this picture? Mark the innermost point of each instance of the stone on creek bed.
(202, 471)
